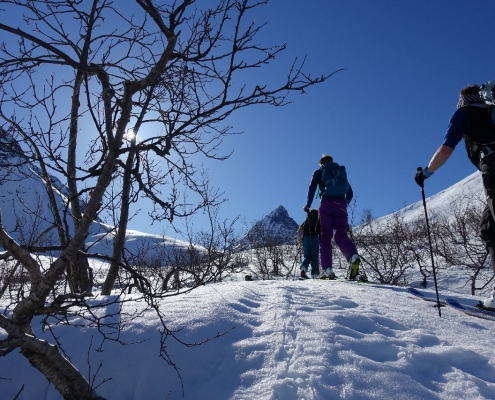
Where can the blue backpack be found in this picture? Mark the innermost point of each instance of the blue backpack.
(333, 180)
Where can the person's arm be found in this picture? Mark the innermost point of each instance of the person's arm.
(459, 126)
(439, 158)
(349, 195)
(315, 179)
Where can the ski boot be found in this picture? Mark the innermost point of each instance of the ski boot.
(489, 303)
(328, 273)
(361, 277)
(353, 266)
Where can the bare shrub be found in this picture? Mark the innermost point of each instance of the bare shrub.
(384, 248)
(457, 241)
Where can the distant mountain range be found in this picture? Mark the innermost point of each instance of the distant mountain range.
(25, 210)
(23, 203)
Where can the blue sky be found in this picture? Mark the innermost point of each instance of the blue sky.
(382, 117)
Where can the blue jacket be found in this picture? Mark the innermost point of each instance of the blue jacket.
(459, 125)
(473, 123)
(315, 181)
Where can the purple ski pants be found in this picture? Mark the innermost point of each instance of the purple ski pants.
(333, 222)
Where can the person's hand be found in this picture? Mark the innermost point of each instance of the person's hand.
(421, 175)
(306, 209)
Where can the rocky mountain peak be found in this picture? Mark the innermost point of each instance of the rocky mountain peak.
(276, 228)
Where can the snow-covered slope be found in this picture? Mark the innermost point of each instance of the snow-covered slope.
(291, 340)
(26, 214)
(23, 198)
(469, 187)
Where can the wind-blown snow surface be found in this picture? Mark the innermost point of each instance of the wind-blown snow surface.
(290, 340)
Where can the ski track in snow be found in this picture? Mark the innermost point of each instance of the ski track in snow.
(310, 340)
(322, 340)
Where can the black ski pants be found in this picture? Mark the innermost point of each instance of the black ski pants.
(487, 223)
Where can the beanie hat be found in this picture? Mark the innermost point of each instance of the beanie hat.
(464, 101)
(470, 94)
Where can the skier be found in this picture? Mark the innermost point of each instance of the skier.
(472, 121)
(307, 236)
(335, 193)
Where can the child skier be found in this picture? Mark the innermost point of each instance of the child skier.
(307, 236)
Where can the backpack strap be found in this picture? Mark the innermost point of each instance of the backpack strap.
(491, 112)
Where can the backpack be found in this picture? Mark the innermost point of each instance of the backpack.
(311, 225)
(481, 138)
(333, 180)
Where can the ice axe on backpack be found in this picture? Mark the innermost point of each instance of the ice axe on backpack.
(429, 240)
(487, 90)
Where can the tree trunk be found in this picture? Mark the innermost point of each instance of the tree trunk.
(119, 242)
(47, 359)
(60, 372)
(78, 274)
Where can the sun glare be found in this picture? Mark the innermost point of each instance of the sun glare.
(130, 135)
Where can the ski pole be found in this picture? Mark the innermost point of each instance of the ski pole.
(431, 247)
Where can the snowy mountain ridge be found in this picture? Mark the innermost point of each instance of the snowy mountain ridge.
(275, 228)
(438, 203)
(24, 203)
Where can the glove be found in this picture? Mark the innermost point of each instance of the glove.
(306, 209)
(421, 175)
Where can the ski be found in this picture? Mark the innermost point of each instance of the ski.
(361, 282)
(357, 282)
(316, 279)
(471, 310)
(418, 295)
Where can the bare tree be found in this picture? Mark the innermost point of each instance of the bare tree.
(391, 247)
(418, 246)
(457, 241)
(273, 252)
(383, 247)
(205, 256)
(79, 82)
(211, 254)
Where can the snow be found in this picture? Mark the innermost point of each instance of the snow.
(285, 339)
(279, 339)
(438, 203)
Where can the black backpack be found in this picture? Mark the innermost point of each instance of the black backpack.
(311, 226)
(481, 137)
